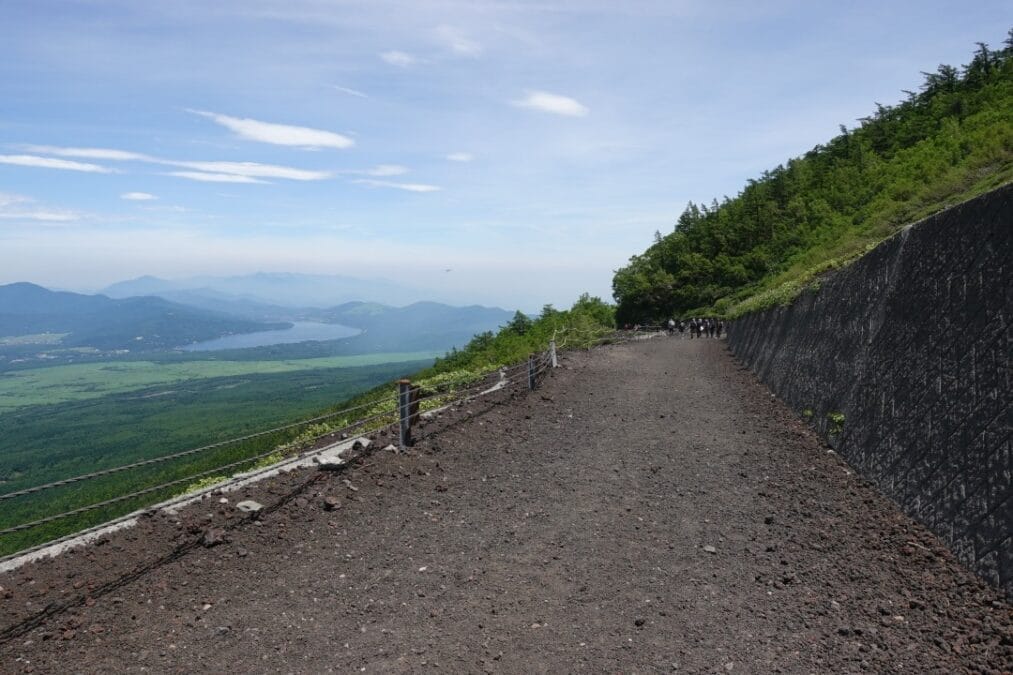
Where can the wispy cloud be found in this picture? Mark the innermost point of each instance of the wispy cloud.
(552, 103)
(409, 187)
(458, 42)
(53, 163)
(399, 59)
(379, 171)
(386, 170)
(138, 197)
(42, 215)
(19, 207)
(214, 177)
(279, 134)
(252, 170)
(7, 199)
(248, 169)
(350, 91)
(460, 157)
(89, 153)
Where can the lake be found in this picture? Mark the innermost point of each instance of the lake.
(301, 331)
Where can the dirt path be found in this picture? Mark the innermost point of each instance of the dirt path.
(649, 509)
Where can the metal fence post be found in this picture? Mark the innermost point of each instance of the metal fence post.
(531, 372)
(404, 404)
(552, 353)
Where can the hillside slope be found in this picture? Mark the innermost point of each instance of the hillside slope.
(947, 143)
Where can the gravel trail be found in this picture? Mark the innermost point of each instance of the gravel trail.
(650, 508)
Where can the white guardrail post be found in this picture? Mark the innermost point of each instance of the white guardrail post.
(552, 353)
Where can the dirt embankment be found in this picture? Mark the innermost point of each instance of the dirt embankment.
(650, 508)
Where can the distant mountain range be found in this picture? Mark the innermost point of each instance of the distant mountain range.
(278, 289)
(149, 323)
(303, 297)
(137, 324)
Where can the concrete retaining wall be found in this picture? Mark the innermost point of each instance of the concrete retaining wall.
(903, 361)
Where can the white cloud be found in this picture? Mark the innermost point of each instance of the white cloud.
(386, 170)
(214, 177)
(51, 163)
(89, 153)
(350, 91)
(252, 169)
(552, 103)
(460, 157)
(279, 134)
(138, 196)
(399, 59)
(42, 216)
(8, 199)
(410, 187)
(19, 207)
(458, 42)
(380, 170)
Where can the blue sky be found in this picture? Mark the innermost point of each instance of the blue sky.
(528, 147)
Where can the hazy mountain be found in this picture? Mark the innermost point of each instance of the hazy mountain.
(214, 301)
(285, 289)
(138, 324)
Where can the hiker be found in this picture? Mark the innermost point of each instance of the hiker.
(721, 327)
(671, 326)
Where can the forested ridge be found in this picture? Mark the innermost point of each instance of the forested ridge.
(948, 142)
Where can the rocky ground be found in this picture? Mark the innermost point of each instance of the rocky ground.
(649, 508)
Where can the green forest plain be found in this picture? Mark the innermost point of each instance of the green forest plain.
(62, 384)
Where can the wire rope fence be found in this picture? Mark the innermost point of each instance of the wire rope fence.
(169, 479)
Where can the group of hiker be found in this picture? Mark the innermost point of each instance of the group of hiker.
(698, 327)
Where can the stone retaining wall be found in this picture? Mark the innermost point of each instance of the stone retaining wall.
(902, 361)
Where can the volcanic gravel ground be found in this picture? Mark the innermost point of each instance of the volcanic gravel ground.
(649, 508)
